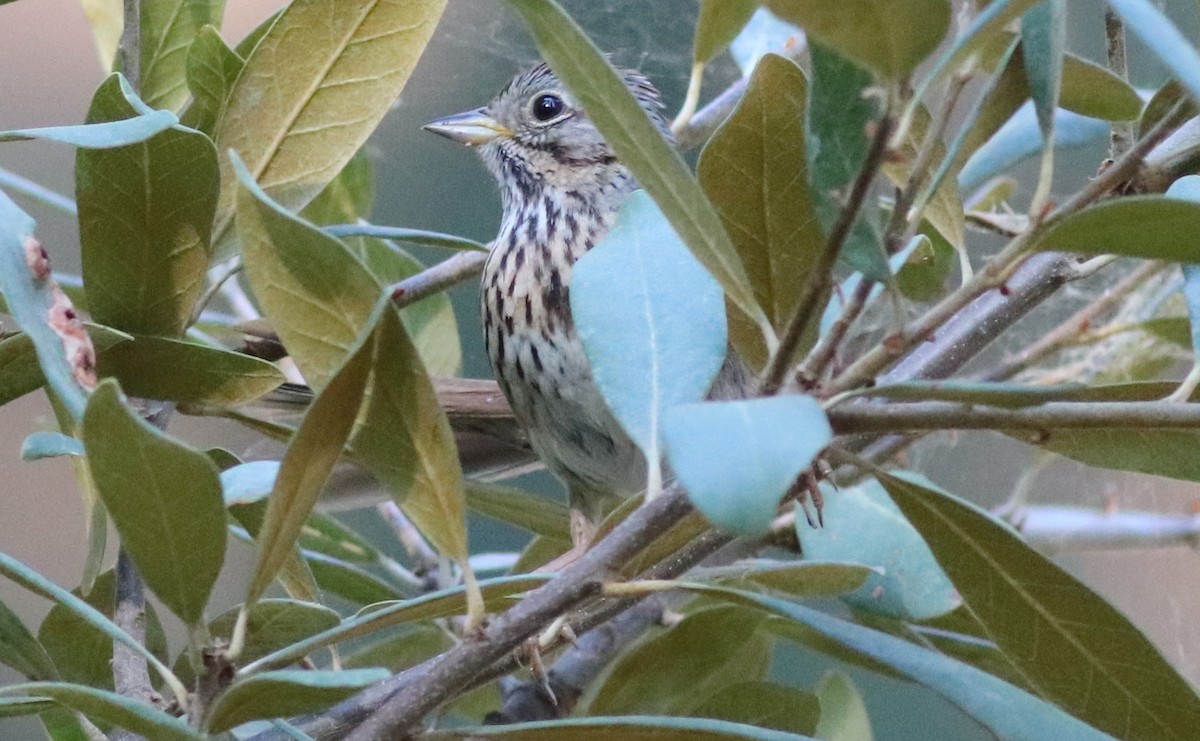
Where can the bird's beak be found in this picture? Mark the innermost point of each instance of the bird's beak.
(471, 128)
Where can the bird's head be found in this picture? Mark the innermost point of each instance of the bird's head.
(535, 134)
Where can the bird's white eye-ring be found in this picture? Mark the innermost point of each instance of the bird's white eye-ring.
(547, 106)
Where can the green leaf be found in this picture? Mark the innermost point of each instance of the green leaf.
(702, 653)
(82, 652)
(403, 234)
(174, 370)
(284, 693)
(1163, 40)
(406, 646)
(1007, 711)
(839, 113)
(41, 445)
(327, 535)
(762, 704)
(737, 458)
(1006, 395)
(843, 712)
(537, 514)
(36, 309)
(144, 244)
(309, 460)
(405, 440)
(105, 18)
(348, 581)
(20, 372)
(1043, 36)
(862, 525)
(1088, 657)
(168, 28)
(639, 144)
(313, 90)
(318, 297)
(1163, 102)
(944, 212)
(888, 37)
(12, 707)
(665, 341)
(212, 68)
(387, 614)
(1091, 90)
(164, 498)
(1188, 187)
(20, 650)
(124, 712)
(349, 197)
(719, 23)
(40, 585)
(624, 727)
(754, 172)
(1153, 227)
(797, 578)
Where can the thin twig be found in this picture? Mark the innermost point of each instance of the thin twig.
(449, 272)
(424, 557)
(1121, 132)
(130, 45)
(850, 419)
(825, 351)
(821, 273)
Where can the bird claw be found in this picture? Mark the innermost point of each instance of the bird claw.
(808, 495)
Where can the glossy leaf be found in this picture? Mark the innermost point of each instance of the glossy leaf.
(376, 617)
(312, 91)
(836, 125)
(1088, 657)
(212, 68)
(31, 302)
(702, 653)
(167, 29)
(144, 244)
(718, 24)
(1163, 39)
(81, 652)
(125, 712)
(754, 172)
(762, 704)
(862, 525)
(284, 693)
(737, 458)
(309, 460)
(888, 37)
(662, 344)
(174, 370)
(639, 144)
(1043, 36)
(405, 440)
(537, 514)
(843, 712)
(43, 587)
(318, 297)
(624, 727)
(20, 650)
(1153, 227)
(1007, 711)
(41, 445)
(164, 498)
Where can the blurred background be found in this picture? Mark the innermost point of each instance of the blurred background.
(49, 70)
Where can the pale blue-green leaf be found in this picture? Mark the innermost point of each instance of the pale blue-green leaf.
(30, 302)
(50, 445)
(737, 458)
(662, 343)
(30, 189)
(762, 34)
(1188, 187)
(20, 369)
(843, 712)
(106, 135)
(624, 727)
(164, 498)
(1043, 35)
(863, 525)
(1007, 711)
(43, 587)
(1162, 39)
(1020, 138)
(402, 234)
(11, 707)
(125, 712)
(286, 692)
(248, 482)
(1088, 657)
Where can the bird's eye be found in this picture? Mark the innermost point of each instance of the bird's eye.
(546, 106)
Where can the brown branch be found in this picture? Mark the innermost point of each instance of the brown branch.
(1121, 132)
(461, 267)
(1043, 419)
